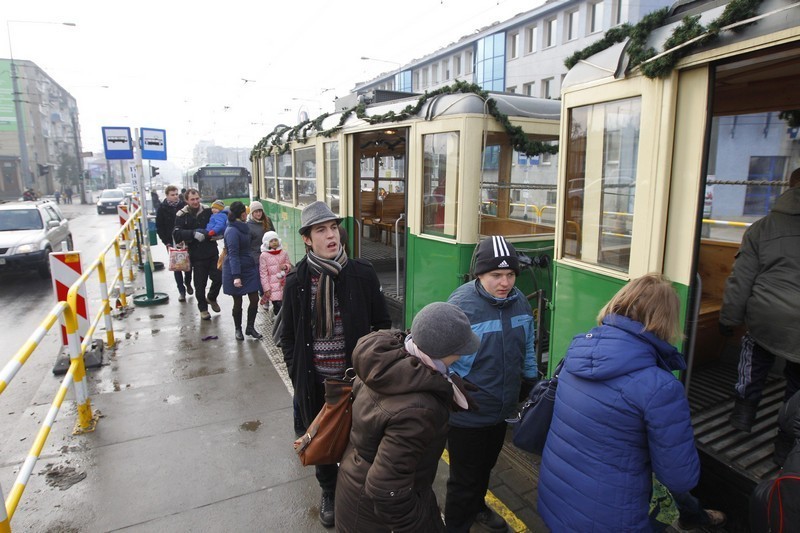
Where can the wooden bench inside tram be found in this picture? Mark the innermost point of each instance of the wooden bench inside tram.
(715, 264)
(368, 208)
(392, 206)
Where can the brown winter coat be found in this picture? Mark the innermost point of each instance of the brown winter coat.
(399, 430)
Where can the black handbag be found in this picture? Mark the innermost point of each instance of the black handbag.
(530, 427)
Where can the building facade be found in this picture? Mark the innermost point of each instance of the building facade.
(50, 127)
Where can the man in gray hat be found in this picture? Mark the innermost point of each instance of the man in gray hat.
(500, 314)
(329, 302)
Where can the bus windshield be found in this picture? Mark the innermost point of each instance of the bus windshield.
(223, 183)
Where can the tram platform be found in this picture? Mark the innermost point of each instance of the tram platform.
(195, 434)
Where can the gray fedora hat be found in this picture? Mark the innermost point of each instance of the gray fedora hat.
(316, 213)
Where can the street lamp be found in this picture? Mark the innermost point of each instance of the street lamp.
(23, 145)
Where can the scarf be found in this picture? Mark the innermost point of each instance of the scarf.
(328, 270)
(173, 204)
(459, 396)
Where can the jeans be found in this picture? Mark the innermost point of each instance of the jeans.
(182, 279)
(203, 270)
(473, 453)
(754, 365)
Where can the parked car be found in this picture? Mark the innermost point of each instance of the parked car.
(29, 231)
(109, 200)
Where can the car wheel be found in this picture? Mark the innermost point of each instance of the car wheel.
(44, 268)
(70, 244)
(99, 211)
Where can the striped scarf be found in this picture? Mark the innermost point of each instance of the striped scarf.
(328, 270)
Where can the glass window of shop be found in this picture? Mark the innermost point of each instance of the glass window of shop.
(331, 175)
(602, 154)
(440, 183)
(285, 184)
(305, 162)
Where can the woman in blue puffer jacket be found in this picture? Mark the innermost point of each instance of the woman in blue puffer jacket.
(621, 416)
(240, 272)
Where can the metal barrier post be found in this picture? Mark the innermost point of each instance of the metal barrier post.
(101, 272)
(5, 526)
(86, 419)
(121, 274)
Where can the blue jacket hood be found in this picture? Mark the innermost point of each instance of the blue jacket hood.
(618, 347)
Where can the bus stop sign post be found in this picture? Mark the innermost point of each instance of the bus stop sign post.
(150, 297)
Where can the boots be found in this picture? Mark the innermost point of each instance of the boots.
(744, 414)
(327, 514)
(237, 323)
(251, 321)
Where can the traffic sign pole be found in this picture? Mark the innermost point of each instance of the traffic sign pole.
(151, 297)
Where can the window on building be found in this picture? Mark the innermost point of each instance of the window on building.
(468, 65)
(434, 73)
(513, 45)
(331, 170)
(511, 90)
(417, 86)
(547, 88)
(425, 78)
(530, 39)
(445, 70)
(573, 21)
(402, 81)
(457, 66)
(527, 89)
(440, 184)
(490, 62)
(551, 26)
(596, 17)
(617, 12)
(598, 207)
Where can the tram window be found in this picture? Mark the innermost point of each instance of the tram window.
(306, 178)
(440, 183)
(601, 182)
(269, 176)
(743, 182)
(331, 175)
(285, 185)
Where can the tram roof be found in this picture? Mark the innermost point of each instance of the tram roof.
(613, 61)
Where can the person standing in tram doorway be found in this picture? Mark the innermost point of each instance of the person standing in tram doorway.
(499, 313)
(763, 292)
(165, 224)
(190, 227)
(329, 302)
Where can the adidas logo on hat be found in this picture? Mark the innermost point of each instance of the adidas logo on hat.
(503, 264)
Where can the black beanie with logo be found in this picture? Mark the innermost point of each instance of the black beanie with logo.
(495, 253)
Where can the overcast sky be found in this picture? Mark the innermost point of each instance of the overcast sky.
(181, 66)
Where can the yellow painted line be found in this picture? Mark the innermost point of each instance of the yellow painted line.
(516, 525)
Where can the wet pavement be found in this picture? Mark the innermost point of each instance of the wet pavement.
(194, 435)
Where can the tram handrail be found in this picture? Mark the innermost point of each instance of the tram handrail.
(67, 313)
(397, 252)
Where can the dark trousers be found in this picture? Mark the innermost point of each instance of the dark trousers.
(182, 279)
(473, 453)
(276, 306)
(203, 270)
(754, 365)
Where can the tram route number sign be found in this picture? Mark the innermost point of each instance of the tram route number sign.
(134, 177)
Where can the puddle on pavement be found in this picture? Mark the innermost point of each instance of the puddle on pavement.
(62, 477)
(252, 425)
(204, 371)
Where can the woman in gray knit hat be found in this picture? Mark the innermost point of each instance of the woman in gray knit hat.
(404, 393)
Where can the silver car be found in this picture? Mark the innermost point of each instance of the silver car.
(29, 231)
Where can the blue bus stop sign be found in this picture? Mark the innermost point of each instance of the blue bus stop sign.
(154, 143)
(117, 142)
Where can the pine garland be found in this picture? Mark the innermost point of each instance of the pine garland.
(272, 143)
(688, 29)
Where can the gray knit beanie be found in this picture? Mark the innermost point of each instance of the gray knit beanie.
(441, 329)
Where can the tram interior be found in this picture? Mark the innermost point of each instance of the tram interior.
(752, 153)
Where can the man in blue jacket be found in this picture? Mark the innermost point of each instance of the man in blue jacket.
(500, 315)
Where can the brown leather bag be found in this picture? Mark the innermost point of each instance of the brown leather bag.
(328, 435)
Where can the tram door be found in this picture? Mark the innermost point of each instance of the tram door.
(380, 168)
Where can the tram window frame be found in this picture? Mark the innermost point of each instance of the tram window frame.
(270, 185)
(330, 175)
(305, 175)
(285, 179)
(597, 219)
(441, 156)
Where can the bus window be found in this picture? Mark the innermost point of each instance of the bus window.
(749, 166)
(439, 184)
(331, 176)
(285, 188)
(601, 182)
(306, 164)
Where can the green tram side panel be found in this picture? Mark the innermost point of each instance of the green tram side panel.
(579, 296)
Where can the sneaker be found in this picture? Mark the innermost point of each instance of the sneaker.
(189, 289)
(205, 315)
(326, 509)
(182, 297)
(214, 305)
(491, 520)
(712, 518)
(743, 415)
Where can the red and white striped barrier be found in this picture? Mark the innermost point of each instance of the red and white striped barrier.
(122, 211)
(65, 268)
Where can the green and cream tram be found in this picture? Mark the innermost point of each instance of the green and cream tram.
(417, 182)
(664, 164)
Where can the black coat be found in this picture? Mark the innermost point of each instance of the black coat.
(165, 220)
(187, 224)
(363, 310)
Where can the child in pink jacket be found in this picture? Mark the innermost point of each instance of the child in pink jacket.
(274, 264)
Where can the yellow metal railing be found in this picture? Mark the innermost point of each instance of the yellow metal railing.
(67, 313)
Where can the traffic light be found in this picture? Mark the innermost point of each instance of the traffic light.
(153, 172)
